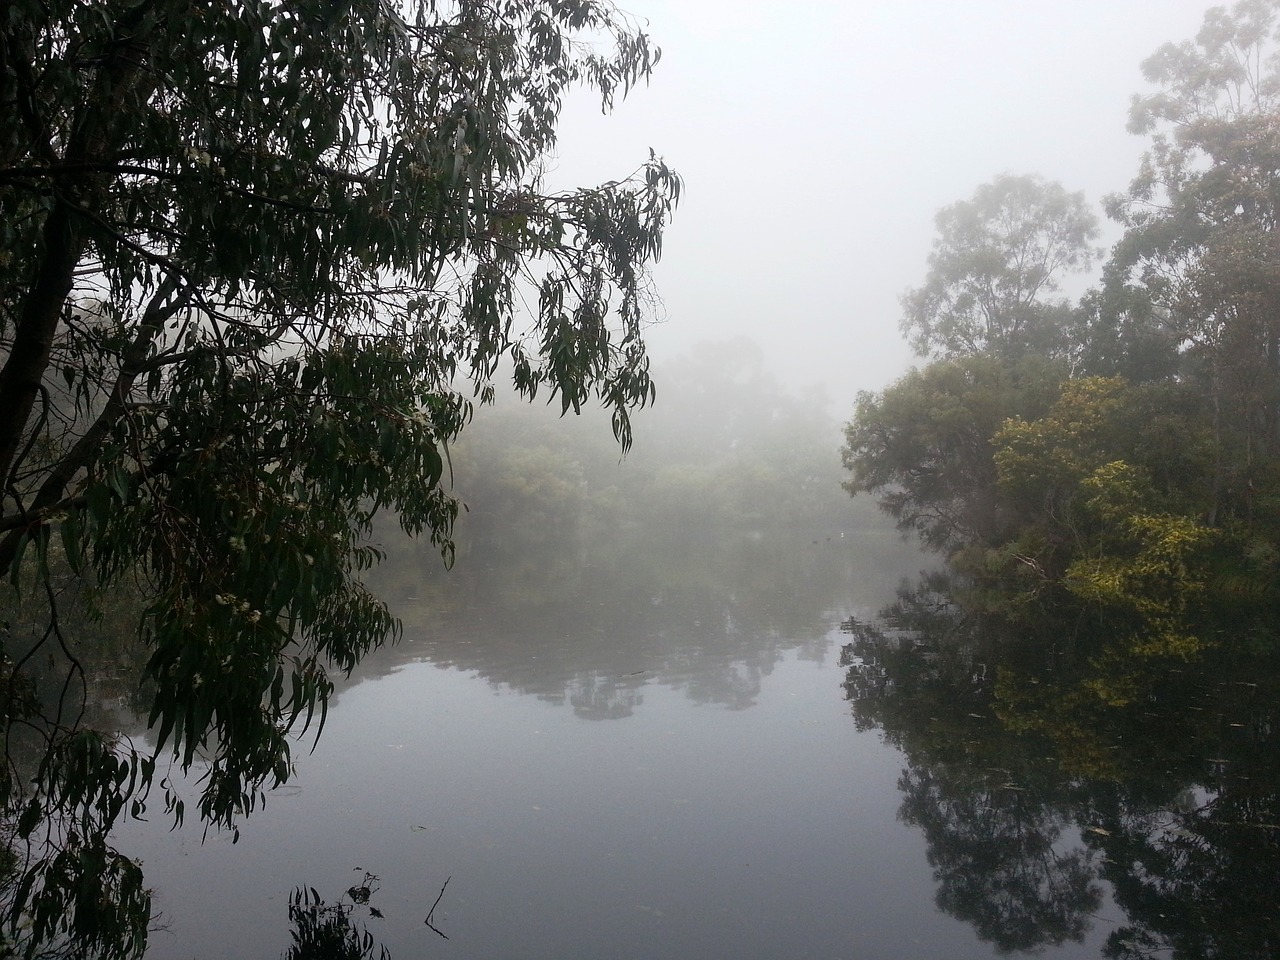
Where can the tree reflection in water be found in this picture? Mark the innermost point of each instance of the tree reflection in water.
(997, 852)
(1043, 760)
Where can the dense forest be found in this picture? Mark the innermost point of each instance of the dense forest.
(1120, 452)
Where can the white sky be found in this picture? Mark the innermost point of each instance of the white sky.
(818, 139)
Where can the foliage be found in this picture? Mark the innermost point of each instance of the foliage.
(1149, 480)
(1045, 755)
(725, 447)
(253, 259)
(325, 931)
(924, 444)
(1091, 481)
(1162, 577)
(1108, 661)
(764, 452)
(1044, 461)
(1200, 223)
(995, 260)
(1118, 332)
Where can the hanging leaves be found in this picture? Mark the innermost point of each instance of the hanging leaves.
(277, 248)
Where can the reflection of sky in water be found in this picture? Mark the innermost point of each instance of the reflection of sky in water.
(681, 831)
(731, 808)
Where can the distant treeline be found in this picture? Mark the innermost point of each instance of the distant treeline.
(724, 447)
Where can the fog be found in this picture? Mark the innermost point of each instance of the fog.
(818, 139)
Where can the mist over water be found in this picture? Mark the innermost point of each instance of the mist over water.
(645, 753)
(697, 702)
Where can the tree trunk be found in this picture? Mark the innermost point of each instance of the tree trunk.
(37, 326)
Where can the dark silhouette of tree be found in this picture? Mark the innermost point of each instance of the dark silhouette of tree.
(256, 261)
(999, 857)
(1082, 759)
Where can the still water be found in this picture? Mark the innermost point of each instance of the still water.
(619, 752)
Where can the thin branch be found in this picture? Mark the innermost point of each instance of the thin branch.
(76, 668)
(432, 911)
(10, 483)
(34, 517)
(16, 175)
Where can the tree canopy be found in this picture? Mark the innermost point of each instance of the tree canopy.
(1137, 467)
(256, 262)
(1201, 220)
(996, 260)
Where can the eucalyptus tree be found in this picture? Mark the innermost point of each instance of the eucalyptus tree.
(998, 343)
(995, 263)
(923, 445)
(1201, 224)
(256, 261)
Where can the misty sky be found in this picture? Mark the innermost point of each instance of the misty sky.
(818, 138)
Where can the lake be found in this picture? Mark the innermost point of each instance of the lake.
(655, 747)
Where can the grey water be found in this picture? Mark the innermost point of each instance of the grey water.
(635, 750)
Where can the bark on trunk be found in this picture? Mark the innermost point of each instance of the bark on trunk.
(37, 326)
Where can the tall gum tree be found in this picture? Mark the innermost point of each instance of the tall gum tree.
(256, 258)
(1201, 228)
(998, 343)
(997, 259)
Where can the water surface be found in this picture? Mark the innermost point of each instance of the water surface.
(666, 752)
